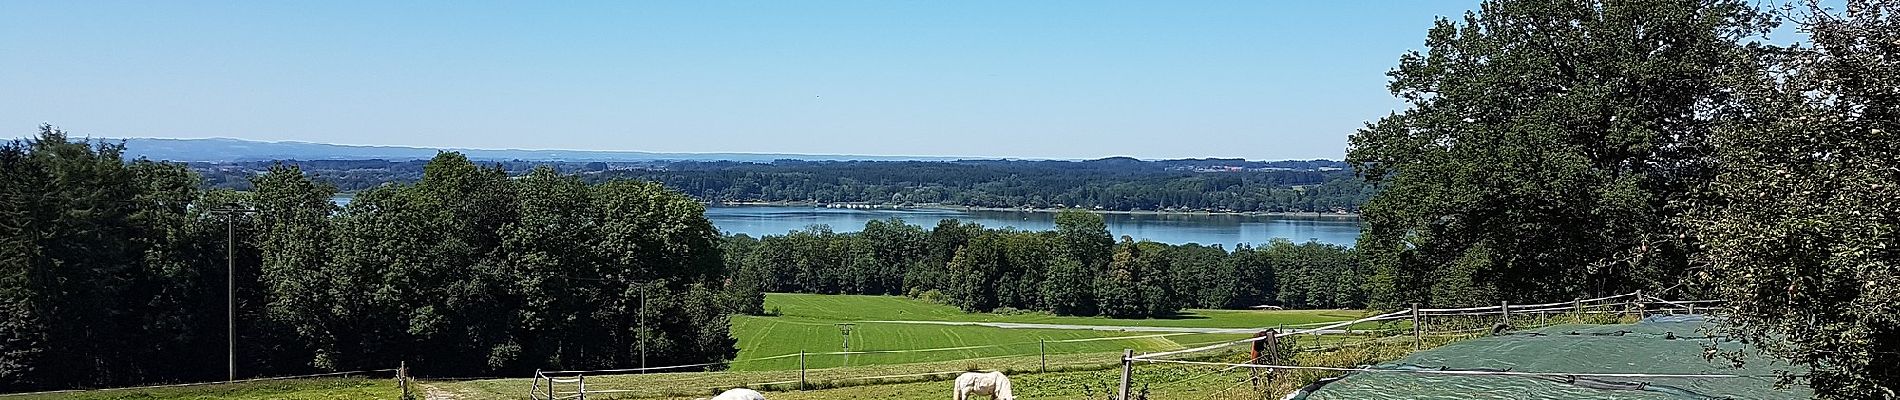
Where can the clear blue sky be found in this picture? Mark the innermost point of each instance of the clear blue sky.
(1253, 79)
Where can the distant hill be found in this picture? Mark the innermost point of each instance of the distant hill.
(235, 150)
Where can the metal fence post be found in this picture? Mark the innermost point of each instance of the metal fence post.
(1043, 346)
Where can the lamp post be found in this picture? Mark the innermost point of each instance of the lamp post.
(230, 285)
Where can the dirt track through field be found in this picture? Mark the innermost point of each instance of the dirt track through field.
(431, 392)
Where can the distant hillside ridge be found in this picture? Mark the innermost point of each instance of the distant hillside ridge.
(237, 150)
(227, 150)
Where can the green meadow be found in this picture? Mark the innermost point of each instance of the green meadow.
(907, 360)
(808, 323)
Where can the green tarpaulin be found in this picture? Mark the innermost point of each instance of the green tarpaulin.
(1657, 345)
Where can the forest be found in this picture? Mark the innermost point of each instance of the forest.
(1075, 269)
(1109, 184)
(113, 272)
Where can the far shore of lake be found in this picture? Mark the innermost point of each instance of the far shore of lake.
(938, 206)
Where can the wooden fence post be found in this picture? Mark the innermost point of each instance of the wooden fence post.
(1043, 346)
(1505, 306)
(1579, 313)
(1418, 334)
(1128, 366)
(402, 378)
(801, 370)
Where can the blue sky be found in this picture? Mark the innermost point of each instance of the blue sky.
(1083, 79)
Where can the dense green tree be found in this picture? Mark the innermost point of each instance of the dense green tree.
(294, 235)
(974, 273)
(1084, 237)
(1156, 280)
(1254, 277)
(1118, 291)
(746, 280)
(657, 247)
(1068, 287)
(943, 243)
(1543, 144)
(105, 271)
(1799, 232)
(896, 246)
(539, 254)
(1026, 259)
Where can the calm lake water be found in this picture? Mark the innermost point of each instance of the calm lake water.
(1226, 230)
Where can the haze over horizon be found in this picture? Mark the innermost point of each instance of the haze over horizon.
(1058, 80)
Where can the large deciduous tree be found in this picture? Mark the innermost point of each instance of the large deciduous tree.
(1802, 231)
(1542, 147)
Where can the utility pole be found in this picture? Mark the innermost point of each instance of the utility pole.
(642, 318)
(844, 329)
(230, 286)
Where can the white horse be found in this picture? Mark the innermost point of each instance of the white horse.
(992, 384)
(740, 394)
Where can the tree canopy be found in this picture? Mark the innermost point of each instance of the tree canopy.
(1543, 146)
(113, 272)
(1562, 148)
(1801, 231)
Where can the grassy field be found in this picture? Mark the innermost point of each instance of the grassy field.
(808, 323)
(912, 362)
(293, 389)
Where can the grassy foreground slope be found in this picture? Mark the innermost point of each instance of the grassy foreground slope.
(1080, 360)
(291, 389)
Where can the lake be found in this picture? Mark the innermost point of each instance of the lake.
(1223, 229)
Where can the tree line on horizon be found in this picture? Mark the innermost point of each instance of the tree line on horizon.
(1077, 268)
